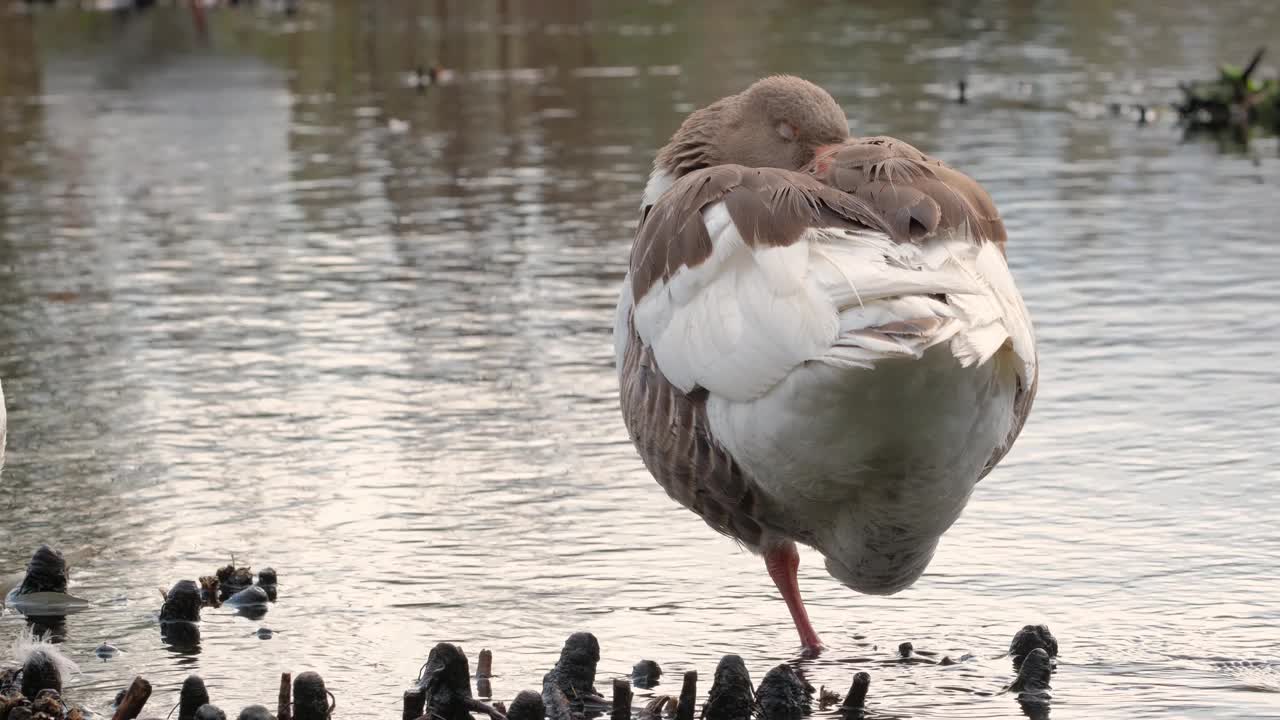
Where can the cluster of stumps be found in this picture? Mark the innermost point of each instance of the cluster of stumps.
(37, 696)
(33, 690)
(568, 691)
(230, 585)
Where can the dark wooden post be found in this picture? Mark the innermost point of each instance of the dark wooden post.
(134, 698)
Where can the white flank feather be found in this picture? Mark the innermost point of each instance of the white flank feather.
(659, 182)
(740, 320)
(996, 316)
(863, 267)
(621, 334)
(27, 645)
(991, 265)
(785, 269)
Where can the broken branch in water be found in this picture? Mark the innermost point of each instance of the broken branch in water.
(474, 705)
(688, 696)
(856, 700)
(284, 702)
(621, 700)
(415, 700)
(134, 698)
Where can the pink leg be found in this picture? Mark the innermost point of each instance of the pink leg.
(783, 561)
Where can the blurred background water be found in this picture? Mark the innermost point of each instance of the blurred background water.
(260, 297)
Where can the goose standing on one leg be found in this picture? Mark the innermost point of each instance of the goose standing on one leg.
(818, 339)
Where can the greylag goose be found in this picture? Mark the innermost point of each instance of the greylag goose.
(818, 339)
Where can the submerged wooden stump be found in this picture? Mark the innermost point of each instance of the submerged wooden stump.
(232, 579)
(46, 572)
(415, 701)
(284, 699)
(249, 598)
(40, 672)
(446, 683)
(528, 705)
(556, 702)
(646, 674)
(181, 603)
(575, 672)
(1035, 673)
(484, 670)
(856, 700)
(731, 696)
(180, 614)
(621, 700)
(255, 712)
(191, 697)
(446, 687)
(210, 712)
(688, 696)
(310, 698)
(1028, 639)
(267, 580)
(782, 694)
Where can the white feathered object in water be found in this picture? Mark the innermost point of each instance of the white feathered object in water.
(29, 648)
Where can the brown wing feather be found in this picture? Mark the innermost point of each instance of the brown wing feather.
(917, 195)
(671, 433)
(769, 206)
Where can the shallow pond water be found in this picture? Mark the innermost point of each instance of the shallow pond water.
(261, 298)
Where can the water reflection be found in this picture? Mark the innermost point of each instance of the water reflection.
(262, 298)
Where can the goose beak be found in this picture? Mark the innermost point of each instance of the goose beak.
(822, 158)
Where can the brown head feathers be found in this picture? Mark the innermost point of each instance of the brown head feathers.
(779, 121)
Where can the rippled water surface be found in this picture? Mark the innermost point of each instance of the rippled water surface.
(260, 298)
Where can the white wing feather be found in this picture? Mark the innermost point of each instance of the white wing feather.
(742, 320)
